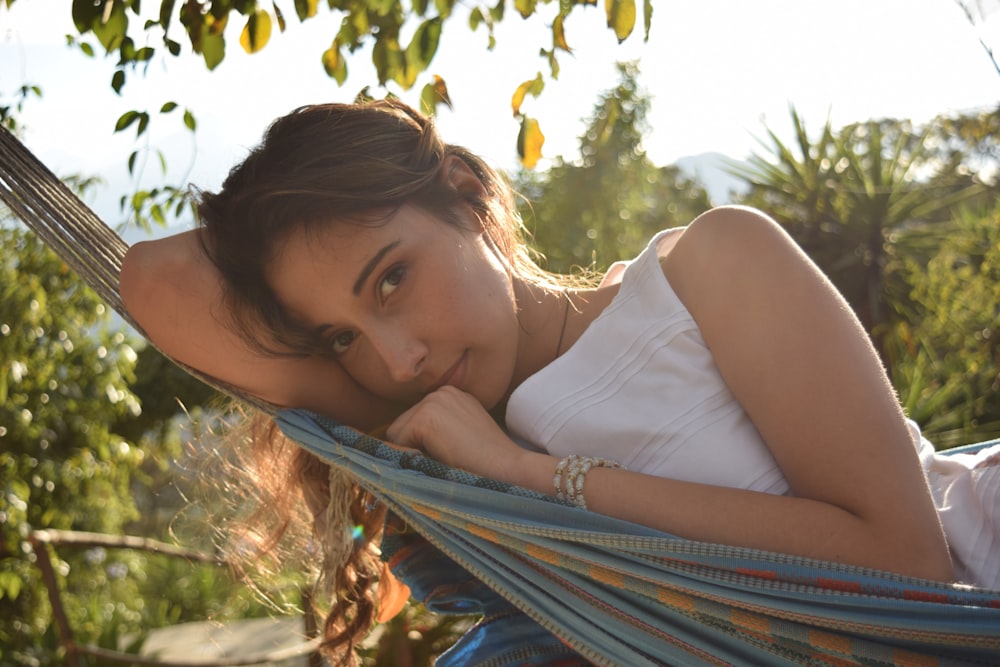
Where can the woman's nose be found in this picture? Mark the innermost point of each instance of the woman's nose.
(403, 354)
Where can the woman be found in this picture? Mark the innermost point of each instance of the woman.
(355, 251)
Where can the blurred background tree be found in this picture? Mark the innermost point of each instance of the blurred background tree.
(875, 205)
(588, 213)
(90, 440)
(64, 381)
(948, 368)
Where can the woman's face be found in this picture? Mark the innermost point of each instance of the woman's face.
(406, 306)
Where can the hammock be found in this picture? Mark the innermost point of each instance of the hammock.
(558, 585)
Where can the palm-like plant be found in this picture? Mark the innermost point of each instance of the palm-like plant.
(857, 199)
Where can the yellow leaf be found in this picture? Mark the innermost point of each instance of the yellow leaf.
(534, 87)
(433, 94)
(559, 34)
(621, 17)
(529, 142)
(525, 7)
(256, 32)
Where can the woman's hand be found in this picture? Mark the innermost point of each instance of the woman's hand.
(454, 428)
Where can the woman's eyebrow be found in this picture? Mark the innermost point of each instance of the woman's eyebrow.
(367, 269)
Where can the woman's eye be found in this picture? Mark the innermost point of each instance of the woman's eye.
(340, 341)
(391, 281)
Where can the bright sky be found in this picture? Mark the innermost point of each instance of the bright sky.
(717, 71)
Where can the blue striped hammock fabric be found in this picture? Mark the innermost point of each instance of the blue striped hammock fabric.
(558, 585)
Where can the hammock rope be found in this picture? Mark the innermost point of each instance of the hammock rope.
(554, 582)
(78, 236)
(63, 222)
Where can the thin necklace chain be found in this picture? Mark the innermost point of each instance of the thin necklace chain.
(562, 332)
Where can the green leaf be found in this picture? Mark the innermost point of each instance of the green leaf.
(279, 16)
(621, 17)
(433, 94)
(87, 49)
(168, 107)
(85, 13)
(424, 45)
(189, 120)
(647, 15)
(131, 162)
(444, 7)
(305, 9)
(553, 63)
(381, 8)
(256, 32)
(157, 212)
(143, 124)
(476, 18)
(420, 7)
(127, 50)
(138, 199)
(334, 64)
(497, 11)
(166, 15)
(125, 120)
(525, 7)
(111, 28)
(529, 142)
(118, 81)
(213, 47)
(390, 62)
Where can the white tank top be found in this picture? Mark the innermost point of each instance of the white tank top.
(640, 386)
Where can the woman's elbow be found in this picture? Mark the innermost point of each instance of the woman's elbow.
(137, 280)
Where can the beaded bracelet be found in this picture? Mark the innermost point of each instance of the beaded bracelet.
(575, 469)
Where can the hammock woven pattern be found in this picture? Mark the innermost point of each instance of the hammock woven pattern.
(623, 594)
(562, 586)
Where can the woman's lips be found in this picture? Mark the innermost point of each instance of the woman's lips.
(454, 376)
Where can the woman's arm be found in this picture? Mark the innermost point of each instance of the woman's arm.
(793, 354)
(797, 359)
(174, 292)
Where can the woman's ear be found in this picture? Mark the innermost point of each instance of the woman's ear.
(460, 176)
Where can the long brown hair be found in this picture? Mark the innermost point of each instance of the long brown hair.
(291, 509)
(335, 164)
(323, 164)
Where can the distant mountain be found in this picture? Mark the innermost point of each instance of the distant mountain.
(711, 170)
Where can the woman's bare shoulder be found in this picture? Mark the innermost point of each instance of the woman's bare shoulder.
(723, 227)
